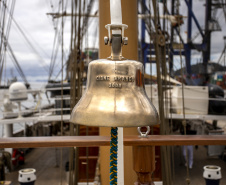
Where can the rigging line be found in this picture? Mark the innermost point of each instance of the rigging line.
(16, 62)
(57, 64)
(32, 38)
(86, 18)
(55, 55)
(61, 70)
(183, 110)
(143, 6)
(54, 61)
(3, 26)
(151, 94)
(10, 18)
(149, 22)
(62, 76)
(73, 60)
(222, 53)
(160, 53)
(153, 21)
(56, 76)
(78, 84)
(95, 37)
(47, 5)
(224, 9)
(6, 18)
(164, 73)
(169, 97)
(36, 43)
(2, 67)
(16, 66)
(13, 63)
(76, 30)
(0, 11)
(83, 21)
(30, 44)
(54, 45)
(54, 58)
(5, 64)
(76, 27)
(1, 71)
(51, 4)
(2, 14)
(71, 41)
(148, 26)
(160, 94)
(178, 33)
(2, 53)
(72, 25)
(8, 29)
(72, 92)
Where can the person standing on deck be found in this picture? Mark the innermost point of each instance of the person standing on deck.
(188, 150)
(5, 160)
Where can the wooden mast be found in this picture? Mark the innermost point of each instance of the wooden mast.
(129, 17)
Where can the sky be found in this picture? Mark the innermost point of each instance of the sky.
(32, 18)
(217, 42)
(38, 27)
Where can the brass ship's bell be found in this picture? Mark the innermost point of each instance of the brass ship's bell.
(115, 94)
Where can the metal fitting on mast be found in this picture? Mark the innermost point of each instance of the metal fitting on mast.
(115, 37)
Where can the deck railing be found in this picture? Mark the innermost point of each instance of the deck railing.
(144, 147)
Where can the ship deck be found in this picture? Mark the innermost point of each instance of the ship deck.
(47, 163)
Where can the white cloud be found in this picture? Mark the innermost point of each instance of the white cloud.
(31, 16)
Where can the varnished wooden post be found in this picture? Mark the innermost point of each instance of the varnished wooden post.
(129, 17)
(144, 164)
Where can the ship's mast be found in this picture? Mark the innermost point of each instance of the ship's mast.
(129, 16)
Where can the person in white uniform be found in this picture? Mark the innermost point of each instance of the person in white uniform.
(188, 150)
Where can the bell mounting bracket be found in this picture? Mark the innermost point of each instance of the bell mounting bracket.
(116, 38)
(117, 29)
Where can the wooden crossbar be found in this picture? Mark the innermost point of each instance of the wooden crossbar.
(90, 141)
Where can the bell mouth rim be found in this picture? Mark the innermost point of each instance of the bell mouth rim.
(113, 124)
(109, 126)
